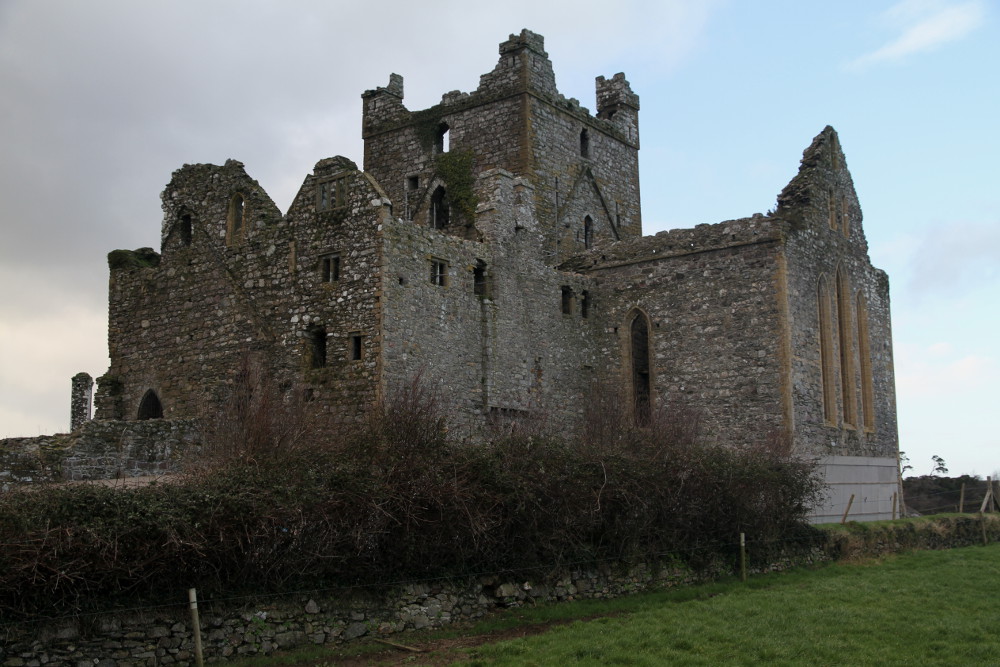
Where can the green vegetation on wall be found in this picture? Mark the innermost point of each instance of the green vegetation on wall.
(455, 169)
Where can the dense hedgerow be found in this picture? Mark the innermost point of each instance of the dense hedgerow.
(274, 506)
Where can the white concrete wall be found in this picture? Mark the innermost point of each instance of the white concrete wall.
(872, 480)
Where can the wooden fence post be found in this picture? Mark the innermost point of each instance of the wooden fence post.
(199, 659)
(988, 498)
(743, 557)
(961, 500)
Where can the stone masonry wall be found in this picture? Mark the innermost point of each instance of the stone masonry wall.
(711, 297)
(99, 450)
(504, 349)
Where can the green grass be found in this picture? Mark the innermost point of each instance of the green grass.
(926, 608)
(920, 608)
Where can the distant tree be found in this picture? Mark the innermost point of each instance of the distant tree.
(904, 463)
(939, 466)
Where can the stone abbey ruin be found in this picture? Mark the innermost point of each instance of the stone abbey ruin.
(492, 245)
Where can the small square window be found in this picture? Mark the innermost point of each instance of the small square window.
(439, 272)
(329, 268)
(412, 182)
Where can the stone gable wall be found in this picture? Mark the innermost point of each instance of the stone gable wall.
(818, 247)
(182, 324)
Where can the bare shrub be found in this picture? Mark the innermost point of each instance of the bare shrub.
(257, 423)
(281, 505)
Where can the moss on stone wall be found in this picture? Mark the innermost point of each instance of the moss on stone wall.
(455, 169)
(133, 259)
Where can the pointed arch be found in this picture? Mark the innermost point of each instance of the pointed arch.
(846, 344)
(827, 374)
(640, 366)
(150, 406)
(865, 362)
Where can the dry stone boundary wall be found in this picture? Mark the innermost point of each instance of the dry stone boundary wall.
(163, 635)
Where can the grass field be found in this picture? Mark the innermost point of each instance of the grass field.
(921, 608)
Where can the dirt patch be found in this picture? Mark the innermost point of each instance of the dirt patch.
(413, 651)
(438, 652)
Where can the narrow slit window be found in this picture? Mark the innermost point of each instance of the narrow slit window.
(357, 347)
(845, 219)
(584, 304)
(480, 286)
(317, 347)
(237, 216)
(440, 210)
(567, 300)
(833, 210)
(588, 232)
(443, 140)
(186, 229)
(584, 144)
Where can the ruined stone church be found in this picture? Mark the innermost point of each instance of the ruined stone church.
(492, 245)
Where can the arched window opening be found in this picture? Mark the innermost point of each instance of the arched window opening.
(442, 142)
(844, 326)
(317, 347)
(237, 214)
(588, 232)
(584, 144)
(827, 377)
(185, 229)
(150, 406)
(864, 354)
(440, 210)
(639, 349)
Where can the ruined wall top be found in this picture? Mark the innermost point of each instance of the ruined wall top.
(523, 67)
(821, 198)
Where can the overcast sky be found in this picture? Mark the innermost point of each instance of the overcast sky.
(101, 100)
